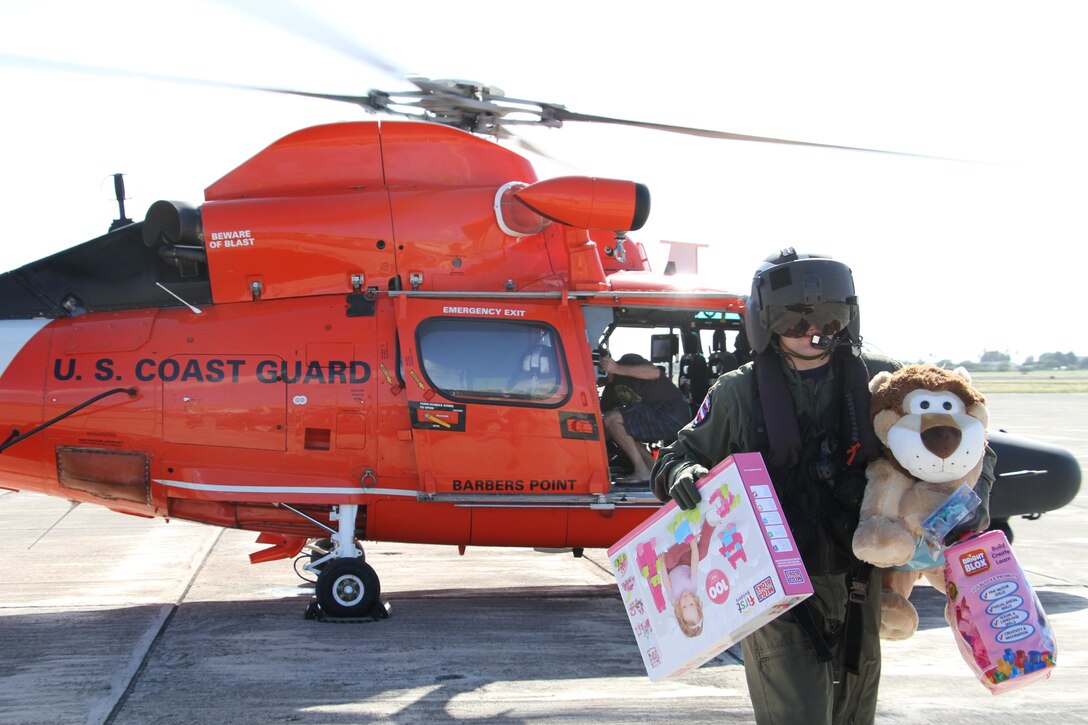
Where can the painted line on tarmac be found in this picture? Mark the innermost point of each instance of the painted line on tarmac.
(124, 682)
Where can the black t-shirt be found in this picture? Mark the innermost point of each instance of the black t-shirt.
(625, 391)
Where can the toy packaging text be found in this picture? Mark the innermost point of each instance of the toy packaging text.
(999, 625)
(697, 582)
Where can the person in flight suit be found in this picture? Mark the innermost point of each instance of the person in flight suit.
(639, 404)
(803, 402)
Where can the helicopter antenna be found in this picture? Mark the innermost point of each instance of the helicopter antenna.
(119, 191)
(71, 507)
(196, 310)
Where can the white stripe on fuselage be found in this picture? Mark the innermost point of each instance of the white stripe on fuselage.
(14, 335)
(220, 488)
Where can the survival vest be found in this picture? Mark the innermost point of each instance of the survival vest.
(818, 473)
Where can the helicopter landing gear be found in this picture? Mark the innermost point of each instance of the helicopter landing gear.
(348, 588)
(321, 553)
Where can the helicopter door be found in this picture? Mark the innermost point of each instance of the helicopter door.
(494, 407)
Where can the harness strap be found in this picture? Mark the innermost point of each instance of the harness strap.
(802, 614)
(855, 613)
(774, 405)
(847, 422)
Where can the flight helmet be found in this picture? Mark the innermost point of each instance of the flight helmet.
(792, 291)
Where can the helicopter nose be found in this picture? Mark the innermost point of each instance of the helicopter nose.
(940, 434)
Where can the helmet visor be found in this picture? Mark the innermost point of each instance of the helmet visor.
(829, 318)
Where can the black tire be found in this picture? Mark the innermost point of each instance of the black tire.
(348, 588)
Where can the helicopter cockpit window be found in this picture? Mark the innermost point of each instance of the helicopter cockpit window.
(508, 361)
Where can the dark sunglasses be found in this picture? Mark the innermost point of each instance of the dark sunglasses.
(829, 318)
(801, 329)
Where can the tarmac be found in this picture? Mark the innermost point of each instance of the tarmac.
(106, 618)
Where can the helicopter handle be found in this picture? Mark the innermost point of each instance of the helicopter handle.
(15, 437)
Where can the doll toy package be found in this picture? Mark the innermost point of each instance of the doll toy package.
(696, 582)
(999, 625)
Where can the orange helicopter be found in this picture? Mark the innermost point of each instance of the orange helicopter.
(382, 331)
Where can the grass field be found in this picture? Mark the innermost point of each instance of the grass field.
(1037, 381)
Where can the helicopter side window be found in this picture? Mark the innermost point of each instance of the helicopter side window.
(490, 360)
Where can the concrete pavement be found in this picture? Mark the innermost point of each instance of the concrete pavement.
(109, 618)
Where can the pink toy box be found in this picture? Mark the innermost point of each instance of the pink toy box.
(730, 565)
(1000, 628)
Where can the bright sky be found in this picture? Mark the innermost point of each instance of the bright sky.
(950, 258)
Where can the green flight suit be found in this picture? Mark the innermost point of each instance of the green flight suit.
(786, 681)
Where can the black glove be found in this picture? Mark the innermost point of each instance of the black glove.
(683, 490)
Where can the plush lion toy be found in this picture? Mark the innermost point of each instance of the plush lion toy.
(932, 423)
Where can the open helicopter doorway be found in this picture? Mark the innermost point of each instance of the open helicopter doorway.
(691, 348)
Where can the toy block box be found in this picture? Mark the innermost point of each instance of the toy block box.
(696, 582)
(1000, 628)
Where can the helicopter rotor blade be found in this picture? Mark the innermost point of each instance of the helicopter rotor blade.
(533, 148)
(436, 101)
(373, 102)
(467, 105)
(503, 133)
(293, 19)
(561, 114)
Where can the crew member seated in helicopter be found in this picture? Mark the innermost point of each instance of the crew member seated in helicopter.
(640, 405)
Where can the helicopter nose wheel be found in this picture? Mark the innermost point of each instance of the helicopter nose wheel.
(348, 588)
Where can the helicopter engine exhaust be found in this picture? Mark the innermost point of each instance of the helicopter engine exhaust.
(173, 222)
(587, 202)
(177, 229)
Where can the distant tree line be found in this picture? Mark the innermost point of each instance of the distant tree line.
(997, 361)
